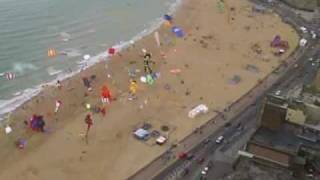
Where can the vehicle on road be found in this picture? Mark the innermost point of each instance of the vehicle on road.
(219, 140)
(313, 34)
(278, 92)
(204, 171)
(303, 29)
(182, 155)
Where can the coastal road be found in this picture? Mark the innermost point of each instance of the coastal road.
(171, 168)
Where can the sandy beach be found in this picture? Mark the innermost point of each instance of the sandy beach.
(222, 56)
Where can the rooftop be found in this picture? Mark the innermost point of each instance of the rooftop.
(285, 139)
(296, 116)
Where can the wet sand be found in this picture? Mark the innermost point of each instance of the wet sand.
(213, 59)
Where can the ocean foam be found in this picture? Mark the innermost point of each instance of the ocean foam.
(52, 71)
(7, 106)
(22, 67)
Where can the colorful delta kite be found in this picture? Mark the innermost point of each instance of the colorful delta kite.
(52, 52)
(177, 31)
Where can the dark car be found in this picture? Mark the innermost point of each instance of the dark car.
(182, 155)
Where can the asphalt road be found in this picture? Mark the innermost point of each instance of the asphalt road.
(294, 75)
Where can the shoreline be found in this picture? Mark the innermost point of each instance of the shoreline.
(27, 94)
(112, 135)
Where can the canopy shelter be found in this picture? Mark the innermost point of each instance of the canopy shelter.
(141, 134)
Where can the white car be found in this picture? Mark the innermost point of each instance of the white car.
(313, 34)
(277, 93)
(303, 29)
(303, 42)
(219, 140)
(205, 171)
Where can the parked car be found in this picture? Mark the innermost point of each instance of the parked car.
(278, 92)
(303, 29)
(182, 155)
(204, 172)
(219, 140)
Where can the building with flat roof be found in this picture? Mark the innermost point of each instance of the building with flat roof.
(283, 138)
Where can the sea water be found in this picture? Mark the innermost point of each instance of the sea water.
(28, 28)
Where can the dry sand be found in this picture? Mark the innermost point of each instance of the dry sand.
(213, 52)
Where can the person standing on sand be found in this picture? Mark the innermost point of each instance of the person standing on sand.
(89, 122)
(58, 84)
(58, 104)
(133, 89)
(147, 62)
(87, 83)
